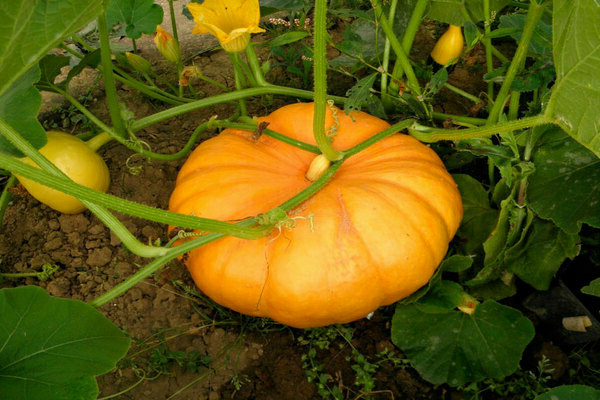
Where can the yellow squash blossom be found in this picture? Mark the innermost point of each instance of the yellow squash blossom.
(230, 21)
(166, 44)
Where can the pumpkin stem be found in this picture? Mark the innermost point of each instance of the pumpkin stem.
(317, 168)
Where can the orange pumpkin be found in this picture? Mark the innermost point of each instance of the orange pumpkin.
(372, 236)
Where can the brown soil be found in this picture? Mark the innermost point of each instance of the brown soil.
(243, 358)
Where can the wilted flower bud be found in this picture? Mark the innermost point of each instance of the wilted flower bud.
(189, 72)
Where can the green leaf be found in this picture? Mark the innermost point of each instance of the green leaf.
(449, 11)
(457, 348)
(536, 258)
(19, 107)
(139, 16)
(571, 392)
(593, 288)
(442, 297)
(287, 38)
(50, 67)
(456, 263)
(89, 60)
(270, 6)
(478, 217)
(51, 348)
(541, 41)
(575, 98)
(563, 166)
(359, 93)
(472, 35)
(30, 28)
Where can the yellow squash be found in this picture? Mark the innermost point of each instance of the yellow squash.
(78, 161)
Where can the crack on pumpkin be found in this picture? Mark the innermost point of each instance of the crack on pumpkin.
(262, 290)
(346, 224)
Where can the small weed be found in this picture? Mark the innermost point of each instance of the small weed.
(525, 384)
(239, 380)
(68, 116)
(158, 359)
(330, 387)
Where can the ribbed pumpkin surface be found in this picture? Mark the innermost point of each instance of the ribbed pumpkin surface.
(374, 235)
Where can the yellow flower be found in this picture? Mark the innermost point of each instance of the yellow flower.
(230, 21)
(166, 44)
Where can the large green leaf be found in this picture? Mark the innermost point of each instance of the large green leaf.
(571, 392)
(139, 16)
(449, 11)
(479, 218)
(540, 252)
(575, 99)
(19, 107)
(29, 28)
(51, 348)
(457, 348)
(567, 168)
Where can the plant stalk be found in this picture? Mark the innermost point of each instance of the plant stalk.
(401, 56)
(534, 14)
(431, 135)
(109, 79)
(225, 98)
(386, 57)
(407, 40)
(320, 82)
(255, 65)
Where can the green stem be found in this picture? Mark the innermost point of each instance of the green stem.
(248, 73)
(401, 56)
(462, 93)
(176, 38)
(513, 107)
(379, 136)
(238, 74)
(224, 98)
(99, 140)
(6, 197)
(487, 42)
(431, 135)
(129, 143)
(255, 65)
(459, 118)
(17, 275)
(152, 92)
(386, 57)
(152, 267)
(320, 82)
(166, 83)
(109, 81)
(408, 38)
(268, 132)
(213, 82)
(83, 43)
(534, 14)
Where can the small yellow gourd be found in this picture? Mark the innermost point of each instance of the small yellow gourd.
(78, 161)
(449, 46)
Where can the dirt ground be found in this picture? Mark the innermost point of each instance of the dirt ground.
(227, 356)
